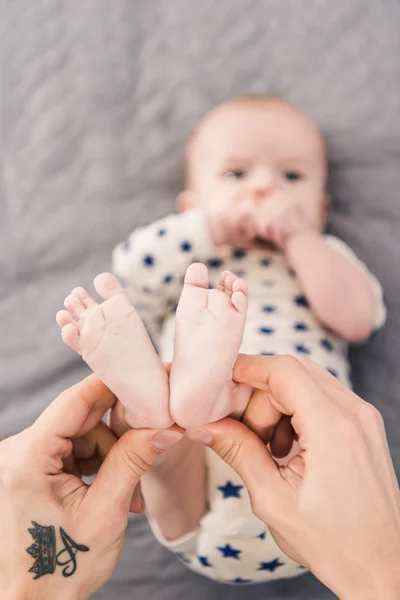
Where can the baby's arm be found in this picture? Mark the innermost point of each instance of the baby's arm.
(342, 294)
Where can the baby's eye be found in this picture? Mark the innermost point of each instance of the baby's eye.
(293, 175)
(236, 174)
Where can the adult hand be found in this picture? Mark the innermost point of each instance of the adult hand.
(335, 507)
(61, 538)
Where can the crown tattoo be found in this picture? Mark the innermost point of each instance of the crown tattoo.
(43, 550)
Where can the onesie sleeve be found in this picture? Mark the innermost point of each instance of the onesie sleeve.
(230, 545)
(152, 261)
(342, 248)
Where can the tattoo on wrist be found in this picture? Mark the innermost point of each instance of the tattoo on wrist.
(43, 550)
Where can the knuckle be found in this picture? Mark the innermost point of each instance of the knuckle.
(287, 361)
(230, 452)
(369, 415)
(136, 463)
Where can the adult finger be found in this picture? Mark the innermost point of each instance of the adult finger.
(76, 411)
(248, 456)
(292, 390)
(261, 416)
(128, 459)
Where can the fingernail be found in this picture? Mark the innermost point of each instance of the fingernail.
(200, 435)
(165, 439)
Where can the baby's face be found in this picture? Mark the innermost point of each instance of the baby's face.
(258, 151)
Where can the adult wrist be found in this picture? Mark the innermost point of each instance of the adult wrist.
(383, 584)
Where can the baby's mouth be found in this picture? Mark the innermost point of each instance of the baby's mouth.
(261, 244)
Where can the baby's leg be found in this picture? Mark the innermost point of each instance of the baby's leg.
(209, 330)
(113, 341)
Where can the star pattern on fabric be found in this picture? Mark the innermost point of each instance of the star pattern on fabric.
(186, 246)
(262, 535)
(301, 300)
(327, 344)
(230, 490)
(215, 263)
(265, 262)
(161, 232)
(239, 254)
(266, 330)
(271, 566)
(268, 308)
(300, 326)
(228, 551)
(203, 560)
(240, 580)
(148, 260)
(302, 349)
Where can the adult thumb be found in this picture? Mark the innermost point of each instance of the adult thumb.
(129, 458)
(249, 457)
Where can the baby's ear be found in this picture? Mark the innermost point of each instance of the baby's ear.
(185, 200)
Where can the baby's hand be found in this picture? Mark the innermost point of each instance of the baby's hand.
(234, 226)
(246, 224)
(279, 219)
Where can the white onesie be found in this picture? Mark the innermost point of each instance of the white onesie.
(231, 544)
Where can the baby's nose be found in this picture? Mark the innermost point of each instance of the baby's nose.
(262, 183)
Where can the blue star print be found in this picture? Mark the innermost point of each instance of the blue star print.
(167, 279)
(266, 330)
(186, 246)
(239, 254)
(230, 491)
(229, 552)
(332, 372)
(270, 566)
(268, 308)
(327, 344)
(204, 561)
(148, 260)
(302, 349)
(265, 262)
(301, 301)
(300, 327)
(262, 535)
(240, 580)
(161, 232)
(215, 263)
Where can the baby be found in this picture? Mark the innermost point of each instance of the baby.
(255, 204)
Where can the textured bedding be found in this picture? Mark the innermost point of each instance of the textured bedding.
(96, 101)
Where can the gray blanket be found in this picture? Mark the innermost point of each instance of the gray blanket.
(97, 99)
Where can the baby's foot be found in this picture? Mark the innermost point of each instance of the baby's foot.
(113, 341)
(208, 334)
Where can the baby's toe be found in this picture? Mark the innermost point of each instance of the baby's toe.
(70, 335)
(107, 286)
(63, 318)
